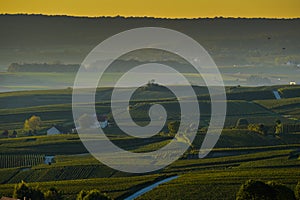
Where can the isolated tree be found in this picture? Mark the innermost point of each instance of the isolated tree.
(33, 123)
(53, 194)
(282, 192)
(15, 133)
(5, 133)
(278, 127)
(173, 126)
(256, 190)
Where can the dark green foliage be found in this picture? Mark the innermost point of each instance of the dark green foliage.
(92, 195)
(259, 190)
(15, 133)
(282, 192)
(256, 190)
(173, 126)
(23, 190)
(37, 194)
(242, 123)
(5, 133)
(81, 195)
(297, 191)
(53, 194)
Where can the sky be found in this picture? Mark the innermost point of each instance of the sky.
(156, 8)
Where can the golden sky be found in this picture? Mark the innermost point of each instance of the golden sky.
(157, 8)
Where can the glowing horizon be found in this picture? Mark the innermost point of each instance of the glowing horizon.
(156, 8)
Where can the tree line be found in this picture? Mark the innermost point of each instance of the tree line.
(24, 191)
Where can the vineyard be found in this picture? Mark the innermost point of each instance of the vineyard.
(11, 161)
(46, 173)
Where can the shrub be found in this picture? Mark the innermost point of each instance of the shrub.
(53, 194)
(92, 195)
(37, 194)
(256, 190)
(81, 195)
(282, 192)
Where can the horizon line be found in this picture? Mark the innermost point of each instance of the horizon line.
(149, 17)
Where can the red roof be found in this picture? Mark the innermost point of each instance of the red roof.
(8, 198)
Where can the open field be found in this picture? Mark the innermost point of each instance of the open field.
(197, 177)
(238, 156)
(54, 106)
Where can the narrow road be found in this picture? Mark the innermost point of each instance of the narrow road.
(150, 187)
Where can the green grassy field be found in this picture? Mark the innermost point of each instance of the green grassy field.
(54, 106)
(238, 156)
(209, 178)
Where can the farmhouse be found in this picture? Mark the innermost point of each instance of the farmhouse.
(55, 130)
(48, 160)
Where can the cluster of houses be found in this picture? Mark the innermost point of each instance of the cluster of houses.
(102, 122)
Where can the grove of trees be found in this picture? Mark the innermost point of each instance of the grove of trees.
(25, 191)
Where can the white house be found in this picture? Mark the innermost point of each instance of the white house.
(292, 83)
(55, 130)
(48, 160)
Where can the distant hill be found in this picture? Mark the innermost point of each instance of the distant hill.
(43, 67)
(38, 38)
